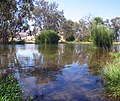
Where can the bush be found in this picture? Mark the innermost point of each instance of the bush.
(21, 42)
(70, 38)
(102, 36)
(112, 78)
(47, 37)
(17, 42)
(10, 90)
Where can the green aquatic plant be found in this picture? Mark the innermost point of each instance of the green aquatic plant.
(111, 77)
(10, 89)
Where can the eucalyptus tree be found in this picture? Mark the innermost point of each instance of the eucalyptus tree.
(68, 30)
(78, 30)
(83, 30)
(14, 15)
(47, 15)
(116, 26)
(107, 23)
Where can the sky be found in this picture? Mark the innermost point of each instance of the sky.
(77, 9)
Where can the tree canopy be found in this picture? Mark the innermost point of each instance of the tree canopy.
(47, 37)
(102, 36)
(47, 15)
(14, 15)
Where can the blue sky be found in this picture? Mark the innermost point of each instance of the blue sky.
(77, 9)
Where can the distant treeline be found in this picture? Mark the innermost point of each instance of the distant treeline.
(15, 15)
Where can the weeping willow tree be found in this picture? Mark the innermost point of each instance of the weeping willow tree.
(102, 36)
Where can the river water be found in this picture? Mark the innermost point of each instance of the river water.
(63, 72)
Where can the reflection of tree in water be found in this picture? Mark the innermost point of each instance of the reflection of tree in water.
(49, 53)
(65, 54)
(55, 57)
(46, 64)
(8, 58)
(45, 75)
(116, 48)
(98, 60)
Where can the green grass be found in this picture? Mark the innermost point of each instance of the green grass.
(72, 42)
(116, 43)
(112, 77)
(79, 42)
(10, 89)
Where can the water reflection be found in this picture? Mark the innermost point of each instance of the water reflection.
(99, 58)
(65, 54)
(63, 72)
(116, 48)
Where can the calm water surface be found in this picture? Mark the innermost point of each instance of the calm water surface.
(56, 72)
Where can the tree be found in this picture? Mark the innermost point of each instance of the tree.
(102, 36)
(83, 30)
(14, 15)
(98, 21)
(76, 31)
(47, 37)
(116, 26)
(107, 23)
(47, 16)
(67, 28)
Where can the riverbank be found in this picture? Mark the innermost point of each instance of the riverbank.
(33, 42)
(87, 42)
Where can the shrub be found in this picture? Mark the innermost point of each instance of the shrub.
(112, 78)
(70, 38)
(10, 90)
(47, 37)
(17, 42)
(102, 36)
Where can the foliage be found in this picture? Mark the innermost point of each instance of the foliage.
(96, 60)
(102, 36)
(67, 27)
(79, 30)
(21, 42)
(14, 15)
(98, 21)
(10, 90)
(84, 30)
(116, 26)
(70, 38)
(17, 42)
(47, 37)
(112, 77)
(47, 16)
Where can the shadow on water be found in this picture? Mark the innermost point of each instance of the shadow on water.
(63, 72)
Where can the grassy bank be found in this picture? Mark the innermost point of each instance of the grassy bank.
(33, 42)
(79, 42)
(116, 42)
(87, 42)
(22, 42)
(111, 77)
